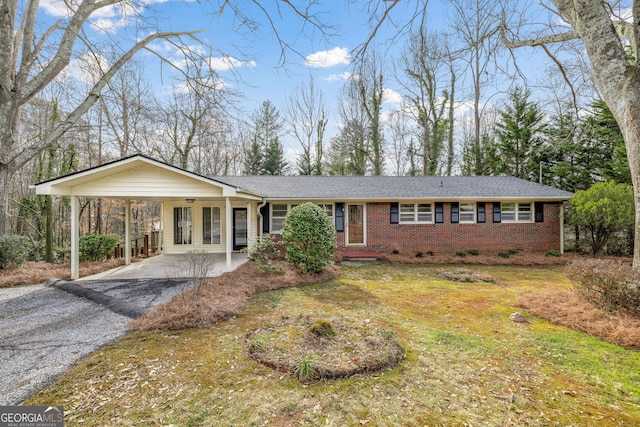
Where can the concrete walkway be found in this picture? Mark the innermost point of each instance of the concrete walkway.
(45, 329)
(165, 266)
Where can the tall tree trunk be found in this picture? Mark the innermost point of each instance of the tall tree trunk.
(5, 190)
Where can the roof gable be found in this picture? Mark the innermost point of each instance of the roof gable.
(138, 177)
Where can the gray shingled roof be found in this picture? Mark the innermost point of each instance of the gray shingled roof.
(394, 187)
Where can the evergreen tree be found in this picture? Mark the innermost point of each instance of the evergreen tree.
(265, 155)
(274, 160)
(605, 133)
(519, 136)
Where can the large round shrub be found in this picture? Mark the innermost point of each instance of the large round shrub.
(309, 237)
(14, 250)
(96, 247)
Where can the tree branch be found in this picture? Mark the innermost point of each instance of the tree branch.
(94, 94)
(553, 38)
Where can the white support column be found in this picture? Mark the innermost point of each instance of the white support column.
(127, 232)
(75, 238)
(229, 232)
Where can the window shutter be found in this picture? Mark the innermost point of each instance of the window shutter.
(497, 217)
(455, 213)
(394, 215)
(264, 211)
(439, 212)
(482, 216)
(339, 216)
(539, 206)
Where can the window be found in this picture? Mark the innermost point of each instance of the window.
(328, 208)
(182, 217)
(467, 212)
(411, 213)
(211, 225)
(516, 212)
(278, 212)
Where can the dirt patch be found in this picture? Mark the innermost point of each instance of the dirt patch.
(462, 274)
(354, 346)
(225, 296)
(567, 308)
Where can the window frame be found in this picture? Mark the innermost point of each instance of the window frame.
(211, 225)
(272, 216)
(471, 209)
(516, 214)
(178, 224)
(415, 213)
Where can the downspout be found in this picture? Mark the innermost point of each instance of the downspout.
(261, 219)
(562, 228)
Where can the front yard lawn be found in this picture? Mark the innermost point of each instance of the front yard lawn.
(466, 363)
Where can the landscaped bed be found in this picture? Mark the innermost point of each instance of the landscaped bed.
(465, 361)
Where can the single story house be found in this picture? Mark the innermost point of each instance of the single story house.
(384, 213)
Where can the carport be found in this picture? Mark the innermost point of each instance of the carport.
(139, 177)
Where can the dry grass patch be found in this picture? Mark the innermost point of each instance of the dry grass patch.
(31, 272)
(225, 296)
(565, 307)
(462, 274)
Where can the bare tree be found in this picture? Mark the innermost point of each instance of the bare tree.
(476, 23)
(370, 86)
(307, 119)
(610, 33)
(430, 85)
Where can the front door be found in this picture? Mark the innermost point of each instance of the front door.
(239, 228)
(355, 225)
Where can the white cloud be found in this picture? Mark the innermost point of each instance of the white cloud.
(226, 63)
(329, 58)
(391, 96)
(338, 77)
(87, 68)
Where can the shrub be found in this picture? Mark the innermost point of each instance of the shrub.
(504, 254)
(461, 253)
(473, 252)
(96, 247)
(553, 252)
(514, 251)
(607, 284)
(14, 250)
(309, 237)
(265, 252)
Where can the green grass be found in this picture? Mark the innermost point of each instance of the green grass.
(466, 363)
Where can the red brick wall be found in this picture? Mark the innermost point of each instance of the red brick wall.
(448, 237)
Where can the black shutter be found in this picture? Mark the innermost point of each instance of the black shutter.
(455, 213)
(482, 214)
(264, 211)
(497, 213)
(539, 211)
(394, 215)
(439, 212)
(339, 216)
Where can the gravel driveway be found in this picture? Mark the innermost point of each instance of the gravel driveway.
(45, 329)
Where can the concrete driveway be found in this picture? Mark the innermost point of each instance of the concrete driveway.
(45, 329)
